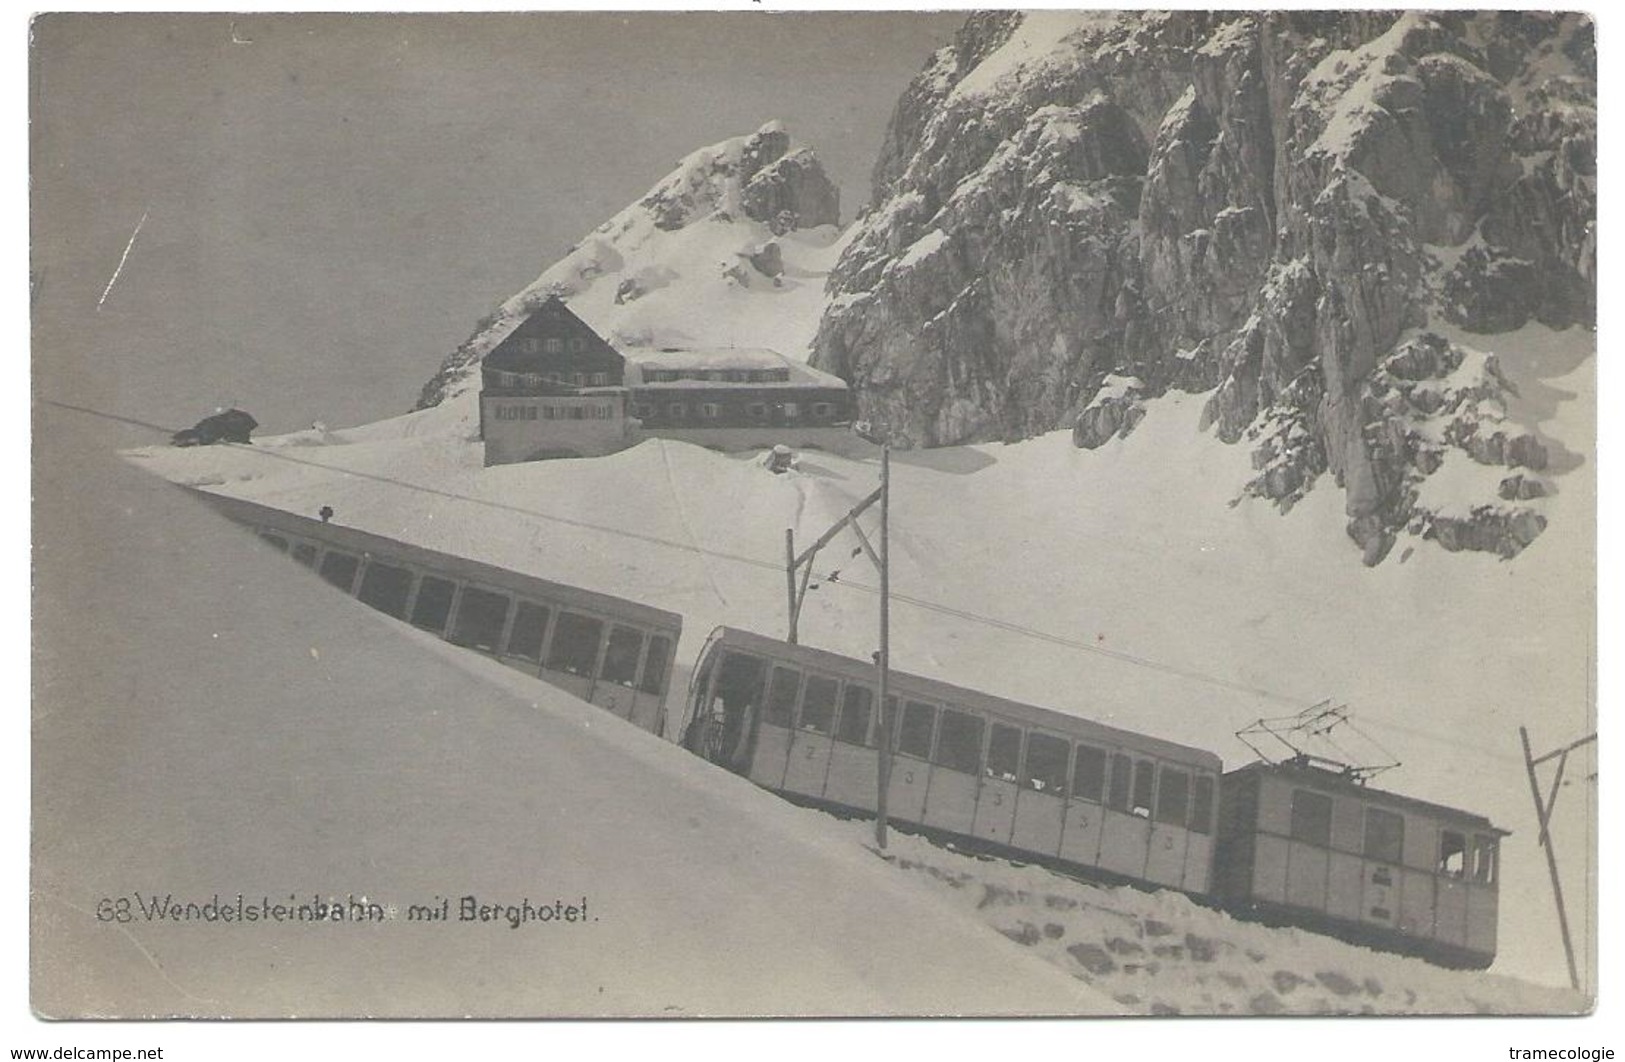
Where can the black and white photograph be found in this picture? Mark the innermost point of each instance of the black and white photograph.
(769, 514)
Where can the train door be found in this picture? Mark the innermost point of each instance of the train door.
(778, 720)
(1165, 856)
(1199, 842)
(573, 653)
(911, 760)
(1450, 892)
(951, 802)
(616, 688)
(648, 711)
(1041, 803)
(1384, 850)
(853, 780)
(810, 744)
(996, 798)
(725, 725)
(1126, 832)
(1085, 807)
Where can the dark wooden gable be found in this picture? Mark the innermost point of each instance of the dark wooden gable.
(554, 340)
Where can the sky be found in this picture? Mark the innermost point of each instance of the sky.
(328, 203)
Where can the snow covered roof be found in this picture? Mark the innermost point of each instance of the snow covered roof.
(641, 365)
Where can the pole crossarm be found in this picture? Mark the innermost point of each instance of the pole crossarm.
(1565, 750)
(835, 529)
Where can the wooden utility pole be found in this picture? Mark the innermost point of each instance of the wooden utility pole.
(1543, 814)
(796, 590)
(883, 661)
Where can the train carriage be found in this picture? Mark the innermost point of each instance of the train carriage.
(1007, 776)
(1313, 847)
(615, 653)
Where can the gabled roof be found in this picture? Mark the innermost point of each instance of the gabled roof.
(551, 320)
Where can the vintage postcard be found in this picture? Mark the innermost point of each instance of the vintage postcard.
(833, 514)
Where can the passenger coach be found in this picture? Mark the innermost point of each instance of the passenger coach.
(613, 652)
(1033, 782)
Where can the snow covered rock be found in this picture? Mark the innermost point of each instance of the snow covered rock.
(1269, 204)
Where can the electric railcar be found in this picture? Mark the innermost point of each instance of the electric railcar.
(1288, 843)
(615, 653)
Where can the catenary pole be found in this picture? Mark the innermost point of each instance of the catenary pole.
(790, 578)
(884, 659)
(1542, 814)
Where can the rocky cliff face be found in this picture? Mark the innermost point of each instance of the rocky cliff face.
(1075, 212)
(698, 253)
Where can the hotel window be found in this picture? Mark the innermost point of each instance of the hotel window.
(676, 411)
(734, 376)
(533, 380)
(578, 344)
(553, 345)
(791, 411)
(533, 345)
(600, 379)
(643, 411)
(756, 411)
(822, 410)
(779, 375)
(710, 410)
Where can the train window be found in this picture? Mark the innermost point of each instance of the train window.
(1122, 767)
(1484, 853)
(340, 568)
(1089, 774)
(1046, 764)
(818, 706)
(1173, 796)
(1311, 817)
(481, 615)
(386, 588)
(856, 706)
(1452, 853)
(1003, 752)
(621, 657)
(959, 746)
(529, 628)
(1144, 777)
(275, 540)
(781, 696)
(575, 644)
(433, 605)
(305, 554)
(1202, 806)
(1384, 835)
(654, 664)
(914, 736)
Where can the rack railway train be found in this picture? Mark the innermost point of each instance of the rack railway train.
(1290, 843)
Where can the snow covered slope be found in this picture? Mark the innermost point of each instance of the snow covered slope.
(1095, 581)
(211, 722)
